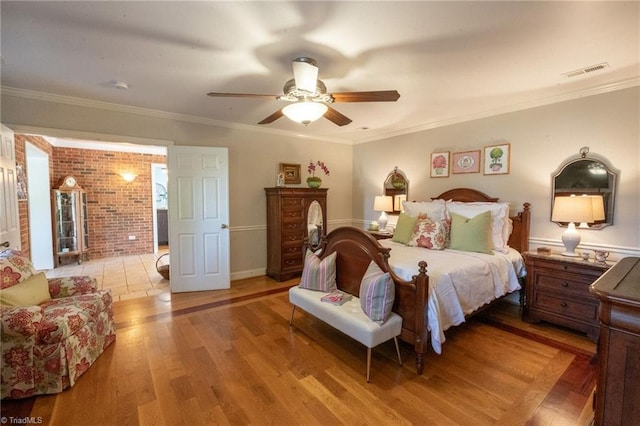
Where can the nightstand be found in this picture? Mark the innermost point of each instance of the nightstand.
(557, 291)
(380, 235)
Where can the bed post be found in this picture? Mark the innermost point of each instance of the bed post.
(422, 335)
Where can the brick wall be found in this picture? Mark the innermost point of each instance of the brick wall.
(116, 208)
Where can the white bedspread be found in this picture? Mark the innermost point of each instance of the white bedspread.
(459, 282)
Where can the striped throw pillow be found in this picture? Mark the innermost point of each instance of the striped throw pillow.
(319, 275)
(377, 293)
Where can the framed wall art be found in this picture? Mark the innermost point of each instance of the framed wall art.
(291, 173)
(465, 162)
(440, 164)
(496, 159)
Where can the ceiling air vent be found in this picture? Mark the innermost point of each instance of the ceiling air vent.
(586, 70)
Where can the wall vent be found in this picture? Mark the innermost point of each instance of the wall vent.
(586, 70)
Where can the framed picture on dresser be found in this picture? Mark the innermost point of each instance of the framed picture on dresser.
(291, 173)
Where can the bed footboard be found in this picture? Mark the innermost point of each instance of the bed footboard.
(355, 249)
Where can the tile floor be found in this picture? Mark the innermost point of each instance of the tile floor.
(128, 277)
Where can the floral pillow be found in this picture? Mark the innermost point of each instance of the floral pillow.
(319, 275)
(429, 234)
(14, 268)
(377, 293)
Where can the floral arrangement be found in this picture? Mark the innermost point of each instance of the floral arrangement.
(311, 168)
(440, 162)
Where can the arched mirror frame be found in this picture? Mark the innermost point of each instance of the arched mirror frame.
(315, 222)
(608, 193)
(396, 185)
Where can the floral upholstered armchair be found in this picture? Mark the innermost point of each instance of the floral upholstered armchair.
(52, 329)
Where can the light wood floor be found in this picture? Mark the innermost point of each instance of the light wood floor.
(230, 357)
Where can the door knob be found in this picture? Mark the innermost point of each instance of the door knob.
(224, 226)
(5, 244)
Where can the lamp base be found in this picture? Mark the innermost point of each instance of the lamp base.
(570, 239)
(382, 221)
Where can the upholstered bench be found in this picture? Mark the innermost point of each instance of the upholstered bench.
(348, 318)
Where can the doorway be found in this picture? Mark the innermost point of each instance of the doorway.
(159, 185)
(40, 237)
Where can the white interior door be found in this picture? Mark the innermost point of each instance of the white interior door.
(198, 218)
(9, 217)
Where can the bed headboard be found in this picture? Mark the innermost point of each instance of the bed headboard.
(519, 238)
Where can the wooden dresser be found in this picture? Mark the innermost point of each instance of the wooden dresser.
(617, 398)
(287, 211)
(557, 291)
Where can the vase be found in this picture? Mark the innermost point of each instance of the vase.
(314, 182)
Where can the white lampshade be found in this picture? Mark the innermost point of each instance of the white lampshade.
(598, 207)
(304, 112)
(397, 202)
(572, 209)
(383, 204)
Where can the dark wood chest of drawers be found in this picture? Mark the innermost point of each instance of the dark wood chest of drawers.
(617, 398)
(287, 211)
(557, 291)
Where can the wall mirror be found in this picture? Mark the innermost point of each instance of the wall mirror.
(396, 185)
(587, 174)
(314, 225)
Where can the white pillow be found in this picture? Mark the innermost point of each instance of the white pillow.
(435, 210)
(500, 226)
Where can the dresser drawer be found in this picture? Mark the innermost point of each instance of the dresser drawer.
(585, 270)
(296, 236)
(567, 284)
(292, 227)
(566, 306)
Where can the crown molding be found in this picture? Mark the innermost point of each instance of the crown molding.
(127, 109)
(549, 100)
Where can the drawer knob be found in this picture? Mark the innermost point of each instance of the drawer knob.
(563, 304)
(565, 284)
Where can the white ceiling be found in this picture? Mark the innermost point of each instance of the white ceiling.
(451, 61)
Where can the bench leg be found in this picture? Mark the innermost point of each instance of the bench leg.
(368, 362)
(293, 310)
(395, 339)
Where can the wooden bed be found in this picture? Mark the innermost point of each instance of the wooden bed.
(356, 249)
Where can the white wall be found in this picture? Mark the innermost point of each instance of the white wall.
(541, 139)
(254, 159)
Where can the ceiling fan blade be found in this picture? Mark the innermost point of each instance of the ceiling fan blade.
(273, 117)
(241, 95)
(378, 96)
(336, 117)
(305, 73)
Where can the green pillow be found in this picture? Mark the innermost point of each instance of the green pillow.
(471, 234)
(404, 229)
(30, 292)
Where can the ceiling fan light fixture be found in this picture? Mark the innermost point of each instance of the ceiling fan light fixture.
(304, 112)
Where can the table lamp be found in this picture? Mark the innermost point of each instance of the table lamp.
(598, 209)
(572, 209)
(383, 204)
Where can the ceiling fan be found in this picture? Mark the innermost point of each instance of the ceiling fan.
(309, 99)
